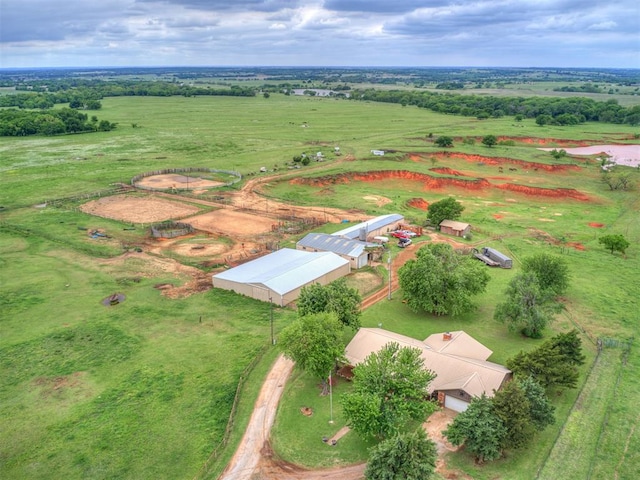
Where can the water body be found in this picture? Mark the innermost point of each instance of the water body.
(628, 155)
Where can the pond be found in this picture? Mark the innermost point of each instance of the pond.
(628, 155)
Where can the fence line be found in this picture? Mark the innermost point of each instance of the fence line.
(232, 416)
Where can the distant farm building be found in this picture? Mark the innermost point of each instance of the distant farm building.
(371, 228)
(378, 153)
(279, 276)
(458, 360)
(451, 227)
(493, 257)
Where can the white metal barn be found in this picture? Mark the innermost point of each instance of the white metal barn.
(279, 276)
(376, 226)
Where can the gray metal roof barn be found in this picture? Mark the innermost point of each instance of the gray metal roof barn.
(376, 226)
(279, 276)
(352, 250)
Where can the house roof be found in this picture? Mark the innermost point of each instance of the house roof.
(370, 225)
(454, 225)
(331, 243)
(459, 363)
(284, 270)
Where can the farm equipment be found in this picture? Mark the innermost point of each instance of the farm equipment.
(492, 257)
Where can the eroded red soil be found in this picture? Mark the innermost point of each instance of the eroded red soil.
(504, 160)
(545, 192)
(447, 171)
(596, 224)
(375, 176)
(420, 203)
(431, 183)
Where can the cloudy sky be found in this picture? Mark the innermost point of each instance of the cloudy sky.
(542, 33)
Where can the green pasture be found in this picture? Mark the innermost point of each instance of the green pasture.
(144, 389)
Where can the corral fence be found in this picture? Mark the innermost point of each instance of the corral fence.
(171, 229)
(166, 171)
(64, 201)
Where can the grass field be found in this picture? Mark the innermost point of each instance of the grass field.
(144, 389)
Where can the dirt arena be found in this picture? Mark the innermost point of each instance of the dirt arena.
(138, 209)
(177, 181)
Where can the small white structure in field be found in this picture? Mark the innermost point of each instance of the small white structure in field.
(379, 153)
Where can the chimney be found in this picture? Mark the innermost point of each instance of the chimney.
(446, 336)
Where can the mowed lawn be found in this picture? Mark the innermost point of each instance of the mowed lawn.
(144, 389)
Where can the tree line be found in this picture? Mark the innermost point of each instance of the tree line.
(564, 111)
(20, 123)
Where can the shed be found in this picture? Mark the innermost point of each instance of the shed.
(372, 228)
(458, 360)
(352, 250)
(378, 153)
(451, 227)
(279, 276)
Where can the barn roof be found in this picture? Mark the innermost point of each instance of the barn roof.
(459, 363)
(332, 243)
(454, 225)
(284, 270)
(370, 225)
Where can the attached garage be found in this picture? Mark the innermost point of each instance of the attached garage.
(279, 276)
(455, 404)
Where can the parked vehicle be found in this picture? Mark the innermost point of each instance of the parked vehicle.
(409, 233)
(399, 234)
(404, 242)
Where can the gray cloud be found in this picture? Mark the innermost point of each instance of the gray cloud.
(320, 32)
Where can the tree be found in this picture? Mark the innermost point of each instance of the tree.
(314, 342)
(489, 140)
(336, 297)
(552, 364)
(541, 411)
(389, 390)
(440, 281)
(558, 154)
(511, 405)
(479, 429)
(615, 243)
(405, 456)
(551, 271)
(544, 119)
(445, 209)
(527, 307)
(444, 141)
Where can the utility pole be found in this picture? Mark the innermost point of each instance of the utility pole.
(273, 340)
(389, 265)
(330, 400)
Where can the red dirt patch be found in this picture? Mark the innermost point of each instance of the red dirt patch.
(545, 192)
(428, 181)
(497, 216)
(447, 171)
(576, 245)
(546, 141)
(420, 203)
(596, 225)
(504, 160)
(414, 158)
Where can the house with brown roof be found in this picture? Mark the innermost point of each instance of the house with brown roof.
(452, 227)
(458, 360)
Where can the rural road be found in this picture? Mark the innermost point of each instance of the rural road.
(246, 458)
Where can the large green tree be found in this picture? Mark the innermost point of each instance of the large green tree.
(489, 140)
(336, 297)
(541, 411)
(615, 243)
(552, 271)
(445, 209)
(405, 456)
(440, 281)
(527, 307)
(480, 430)
(389, 391)
(553, 364)
(444, 141)
(512, 406)
(314, 342)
